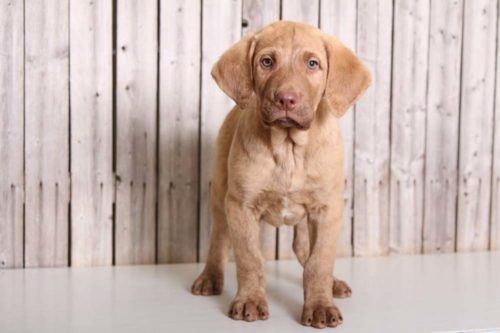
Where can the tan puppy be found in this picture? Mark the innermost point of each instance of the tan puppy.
(280, 161)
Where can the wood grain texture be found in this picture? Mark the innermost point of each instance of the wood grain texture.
(11, 133)
(476, 124)
(92, 181)
(136, 90)
(338, 18)
(305, 11)
(409, 104)
(47, 129)
(371, 140)
(495, 179)
(257, 14)
(221, 28)
(179, 137)
(443, 105)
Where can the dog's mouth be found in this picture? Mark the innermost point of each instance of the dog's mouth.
(286, 122)
(284, 119)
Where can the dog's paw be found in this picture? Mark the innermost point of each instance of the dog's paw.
(249, 309)
(321, 315)
(341, 289)
(208, 284)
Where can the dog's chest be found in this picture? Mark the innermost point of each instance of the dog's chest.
(285, 197)
(282, 209)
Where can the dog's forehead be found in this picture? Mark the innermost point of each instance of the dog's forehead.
(289, 34)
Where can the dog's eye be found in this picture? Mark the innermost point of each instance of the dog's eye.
(267, 62)
(312, 64)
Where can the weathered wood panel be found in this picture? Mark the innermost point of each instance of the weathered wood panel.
(371, 140)
(11, 133)
(443, 104)
(338, 18)
(495, 179)
(409, 104)
(476, 119)
(306, 11)
(47, 128)
(257, 14)
(221, 28)
(178, 125)
(136, 89)
(92, 182)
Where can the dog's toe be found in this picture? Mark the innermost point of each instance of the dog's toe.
(321, 315)
(249, 309)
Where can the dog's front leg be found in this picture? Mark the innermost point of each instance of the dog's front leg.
(250, 302)
(319, 310)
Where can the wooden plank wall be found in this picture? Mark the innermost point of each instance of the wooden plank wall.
(91, 93)
(11, 133)
(443, 111)
(136, 115)
(47, 187)
(372, 131)
(476, 124)
(178, 131)
(109, 115)
(409, 93)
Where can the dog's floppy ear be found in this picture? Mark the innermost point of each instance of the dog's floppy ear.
(347, 77)
(233, 70)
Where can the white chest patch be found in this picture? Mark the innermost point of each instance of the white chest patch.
(285, 210)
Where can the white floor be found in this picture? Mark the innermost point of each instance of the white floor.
(393, 294)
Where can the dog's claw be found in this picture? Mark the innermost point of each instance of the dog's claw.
(321, 316)
(249, 310)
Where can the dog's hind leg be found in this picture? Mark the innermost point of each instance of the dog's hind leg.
(301, 247)
(301, 244)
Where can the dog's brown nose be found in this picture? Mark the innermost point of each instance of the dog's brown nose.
(287, 100)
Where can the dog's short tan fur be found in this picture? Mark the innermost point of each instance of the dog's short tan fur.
(281, 163)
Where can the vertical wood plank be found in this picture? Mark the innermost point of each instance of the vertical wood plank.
(92, 183)
(47, 115)
(476, 124)
(443, 102)
(495, 179)
(305, 11)
(221, 28)
(338, 18)
(257, 14)
(179, 137)
(136, 90)
(11, 133)
(409, 88)
(371, 139)
(495, 209)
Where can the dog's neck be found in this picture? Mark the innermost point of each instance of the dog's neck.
(288, 146)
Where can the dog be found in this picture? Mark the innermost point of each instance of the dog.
(279, 160)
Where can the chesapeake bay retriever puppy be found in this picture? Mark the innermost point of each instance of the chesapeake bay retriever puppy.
(280, 161)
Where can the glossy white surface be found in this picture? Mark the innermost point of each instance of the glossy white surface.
(390, 294)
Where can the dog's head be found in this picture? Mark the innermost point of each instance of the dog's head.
(290, 67)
